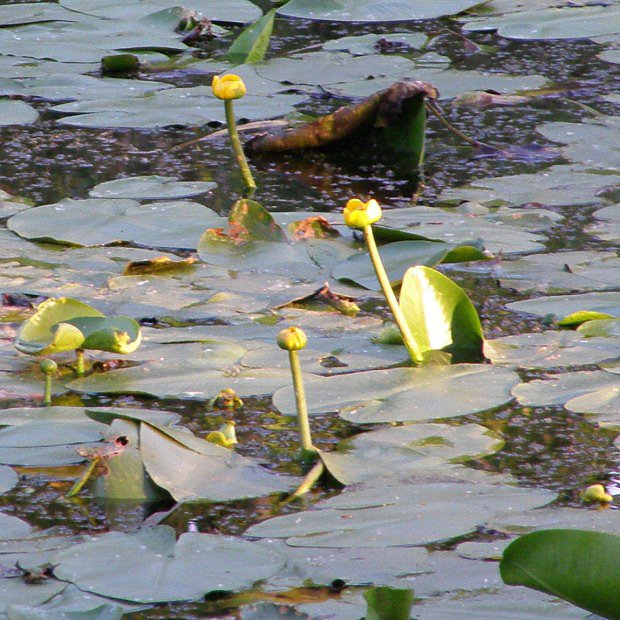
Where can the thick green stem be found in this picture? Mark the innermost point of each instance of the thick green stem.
(236, 145)
(310, 479)
(79, 362)
(300, 399)
(386, 287)
(88, 472)
(47, 392)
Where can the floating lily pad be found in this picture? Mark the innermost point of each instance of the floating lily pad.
(239, 11)
(405, 394)
(550, 349)
(398, 515)
(561, 272)
(569, 22)
(16, 112)
(593, 142)
(100, 612)
(8, 479)
(150, 566)
(556, 186)
(12, 528)
(16, 592)
(180, 106)
(361, 45)
(448, 82)
(151, 187)
(355, 566)
(608, 225)
(499, 230)
(398, 257)
(85, 87)
(98, 221)
(192, 370)
(374, 10)
(564, 305)
(192, 469)
(401, 451)
(511, 603)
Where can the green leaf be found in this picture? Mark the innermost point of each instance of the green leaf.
(151, 566)
(440, 315)
(386, 603)
(252, 44)
(116, 334)
(407, 135)
(576, 565)
(48, 331)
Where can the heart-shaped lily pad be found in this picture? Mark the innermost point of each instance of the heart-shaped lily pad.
(150, 566)
(398, 514)
(405, 394)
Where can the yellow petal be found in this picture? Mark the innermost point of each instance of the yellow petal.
(227, 87)
(358, 214)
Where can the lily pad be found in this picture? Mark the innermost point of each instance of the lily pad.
(151, 566)
(374, 10)
(97, 221)
(550, 349)
(397, 515)
(398, 257)
(17, 592)
(569, 22)
(607, 226)
(556, 186)
(362, 45)
(593, 142)
(151, 187)
(560, 272)
(405, 394)
(49, 331)
(192, 469)
(16, 112)
(179, 106)
(8, 479)
(403, 450)
(564, 305)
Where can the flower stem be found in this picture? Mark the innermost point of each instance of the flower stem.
(300, 399)
(236, 145)
(386, 287)
(79, 358)
(47, 392)
(88, 472)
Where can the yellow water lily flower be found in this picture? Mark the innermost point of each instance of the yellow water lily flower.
(228, 87)
(358, 214)
(596, 493)
(292, 339)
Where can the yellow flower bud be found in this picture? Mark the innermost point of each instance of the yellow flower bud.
(358, 214)
(292, 339)
(228, 87)
(596, 493)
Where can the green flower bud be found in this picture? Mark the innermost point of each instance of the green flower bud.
(49, 366)
(292, 339)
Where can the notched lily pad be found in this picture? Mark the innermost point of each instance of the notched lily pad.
(152, 187)
(405, 394)
(150, 566)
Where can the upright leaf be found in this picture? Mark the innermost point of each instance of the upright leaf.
(48, 329)
(252, 44)
(386, 603)
(578, 566)
(440, 315)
